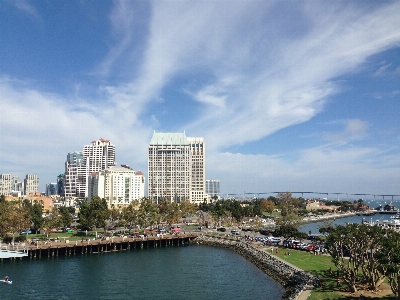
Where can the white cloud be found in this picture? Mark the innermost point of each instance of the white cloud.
(322, 169)
(256, 67)
(38, 130)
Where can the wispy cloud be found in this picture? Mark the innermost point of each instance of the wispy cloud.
(280, 84)
(27, 7)
(382, 70)
(253, 67)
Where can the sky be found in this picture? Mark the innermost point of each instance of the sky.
(288, 95)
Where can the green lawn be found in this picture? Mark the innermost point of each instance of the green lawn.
(318, 265)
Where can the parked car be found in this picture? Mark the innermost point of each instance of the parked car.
(273, 240)
(312, 247)
(235, 232)
(264, 231)
(222, 229)
(27, 231)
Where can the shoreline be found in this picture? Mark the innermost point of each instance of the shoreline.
(292, 279)
(323, 218)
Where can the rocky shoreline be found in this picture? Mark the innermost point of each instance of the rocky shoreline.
(293, 280)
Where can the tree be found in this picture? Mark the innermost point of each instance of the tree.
(36, 214)
(148, 213)
(115, 215)
(342, 245)
(100, 213)
(129, 215)
(65, 216)
(288, 231)
(173, 213)
(356, 248)
(188, 208)
(86, 219)
(389, 259)
(14, 217)
(52, 220)
(267, 206)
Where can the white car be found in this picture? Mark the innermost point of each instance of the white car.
(273, 240)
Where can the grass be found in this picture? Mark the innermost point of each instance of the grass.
(319, 265)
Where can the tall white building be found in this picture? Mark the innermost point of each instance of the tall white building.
(119, 186)
(176, 167)
(97, 156)
(31, 184)
(6, 184)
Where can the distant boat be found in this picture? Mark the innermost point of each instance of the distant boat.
(6, 281)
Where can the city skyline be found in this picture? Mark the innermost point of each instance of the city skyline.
(288, 96)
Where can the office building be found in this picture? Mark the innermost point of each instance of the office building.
(119, 186)
(51, 189)
(176, 167)
(213, 189)
(60, 184)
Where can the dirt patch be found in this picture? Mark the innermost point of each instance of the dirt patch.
(384, 290)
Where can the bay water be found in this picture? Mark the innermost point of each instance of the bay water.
(314, 227)
(179, 272)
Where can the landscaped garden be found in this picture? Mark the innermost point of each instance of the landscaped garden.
(320, 265)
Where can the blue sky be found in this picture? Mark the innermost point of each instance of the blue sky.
(289, 96)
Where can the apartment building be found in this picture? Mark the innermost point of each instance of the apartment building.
(6, 184)
(97, 156)
(31, 184)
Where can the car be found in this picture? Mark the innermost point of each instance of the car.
(235, 232)
(222, 229)
(28, 231)
(273, 240)
(312, 247)
(264, 231)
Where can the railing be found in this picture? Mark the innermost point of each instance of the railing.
(12, 251)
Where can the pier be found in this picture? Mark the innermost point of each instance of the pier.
(97, 246)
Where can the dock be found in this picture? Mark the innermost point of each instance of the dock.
(98, 246)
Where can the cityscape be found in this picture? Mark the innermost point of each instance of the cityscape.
(200, 149)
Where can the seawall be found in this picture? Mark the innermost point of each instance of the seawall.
(292, 279)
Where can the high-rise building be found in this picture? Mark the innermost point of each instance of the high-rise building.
(74, 173)
(176, 167)
(6, 184)
(51, 189)
(31, 184)
(212, 188)
(98, 156)
(119, 186)
(60, 184)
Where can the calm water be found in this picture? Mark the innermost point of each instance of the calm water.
(189, 272)
(314, 227)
